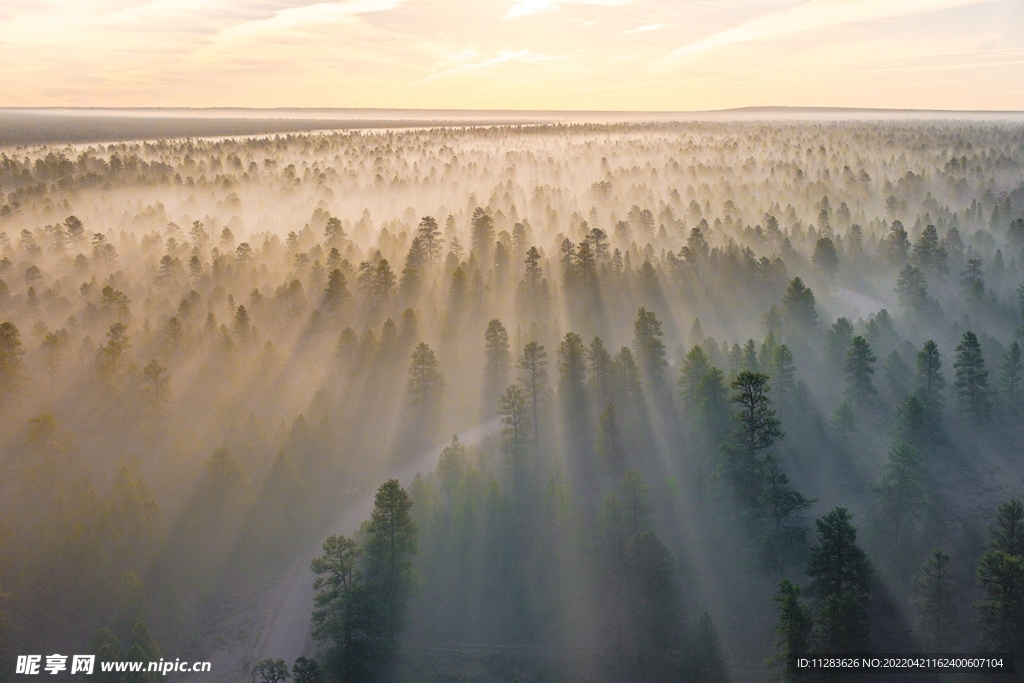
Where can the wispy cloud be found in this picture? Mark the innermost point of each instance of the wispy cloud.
(647, 28)
(523, 8)
(809, 16)
(505, 57)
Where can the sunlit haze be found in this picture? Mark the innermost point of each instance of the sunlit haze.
(514, 54)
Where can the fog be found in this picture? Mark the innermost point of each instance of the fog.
(722, 354)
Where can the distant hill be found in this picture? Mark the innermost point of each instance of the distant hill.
(24, 126)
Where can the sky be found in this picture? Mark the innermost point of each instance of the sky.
(612, 55)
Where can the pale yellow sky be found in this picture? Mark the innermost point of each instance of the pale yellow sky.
(514, 54)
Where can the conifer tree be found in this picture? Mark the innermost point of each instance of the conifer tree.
(971, 379)
(756, 430)
(533, 376)
(1012, 377)
(840, 573)
(859, 360)
(649, 349)
(935, 603)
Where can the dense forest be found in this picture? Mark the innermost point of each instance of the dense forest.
(747, 390)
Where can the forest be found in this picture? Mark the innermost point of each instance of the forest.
(623, 401)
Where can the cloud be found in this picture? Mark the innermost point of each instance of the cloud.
(645, 29)
(505, 57)
(524, 8)
(809, 16)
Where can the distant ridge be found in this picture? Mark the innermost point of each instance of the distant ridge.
(29, 126)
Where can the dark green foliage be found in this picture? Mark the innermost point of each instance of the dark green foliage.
(390, 539)
(793, 631)
(843, 422)
(1001, 579)
(858, 369)
(306, 670)
(972, 282)
(636, 505)
(425, 379)
(270, 671)
(756, 430)
(798, 304)
(935, 603)
(900, 490)
(533, 375)
(930, 380)
(694, 367)
(928, 253)
(912, 291)
(608, 445)
(840, 573)
(825, 258)
(704, 661)
(483, 233)
(602, 371)
(782, 370)
(1011, 377)
(361, 612)
(516, 420)
(336, 294)
(649, 349)
(496, 350)
(654, 610)
(784, 539)
(837, 341)
(1007, 534)
(572, 370)
(712, 400)
(896, 377)
(971, 382)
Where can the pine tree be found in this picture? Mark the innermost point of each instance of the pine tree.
(1001, 578)
(482, 233)
(425, 379)
(778, 504)
(972, 282)
(1011, 377)
(607, 444)
(935, 603)
(516, 420)
(636, 504)
(912, 290)
(793, 630)
(497, 358)
(930, 380)
(654, 608)
(896, 376)
(859, 360)
(11, 367)
(390, 540)
(840, 573)
(757, 429)
(602, 374)
(972, 379)
(451, 465)
(572, 378)
(712, 399)
(837, 341)
(694, 367)
(900, 490)
(534, 376)
(798, 304)
(430, 236)
(649, 349)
